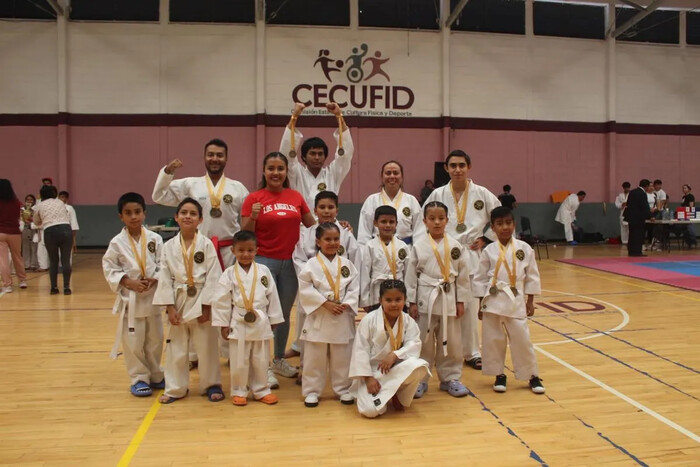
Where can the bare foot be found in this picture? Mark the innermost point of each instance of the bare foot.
(291, 353)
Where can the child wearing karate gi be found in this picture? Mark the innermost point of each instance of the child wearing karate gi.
(246, 308)
(130, 267)
(507, 273)
(328, 294)
(189, 272)
(383, 257)
(437, 281)
(385, 364)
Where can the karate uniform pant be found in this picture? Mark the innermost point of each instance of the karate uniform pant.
(568, 232)
(29, 250)
(317, 357)
(42, 255)
(449, 367)
(143, 349)
(298, 344)
(499, 331)
(405, 393)
(202, 338)
(624, 232)
(253, 371)
(470, 328)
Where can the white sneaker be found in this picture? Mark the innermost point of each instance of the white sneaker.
(311, 400)
(347, 399)
(283, 368)
(271, 380)
(6, 289)
(23, 285)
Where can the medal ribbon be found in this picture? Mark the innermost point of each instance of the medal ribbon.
(340, 131)
(461, 210)
(216, 199)
(140, 259)
(444, 265)
(247, 300)
(396, 341)
(390, 259)
(292, 128)
(502, 260)
(397, 199)
(335, 285)
(188, 259)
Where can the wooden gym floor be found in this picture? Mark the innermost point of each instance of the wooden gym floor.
(630, 396)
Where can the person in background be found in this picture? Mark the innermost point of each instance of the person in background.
(10, 238)
(621, 204)
(507, 199)
(661, 196)
(688, 201)
(567, 215)
(426, 191)
(52, 216)
(65, 197)
(29, 232)
(636, 213)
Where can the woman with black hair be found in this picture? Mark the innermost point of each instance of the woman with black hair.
(10, 237)
(52, 215)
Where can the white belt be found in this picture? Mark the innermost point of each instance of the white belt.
(120, 306)
(505, 288)
(238, 321)
(379, 279)
(437, 285)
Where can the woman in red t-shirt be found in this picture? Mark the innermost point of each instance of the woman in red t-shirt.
(10, 237)
(274, 214)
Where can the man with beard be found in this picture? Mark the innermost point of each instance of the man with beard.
(221, 198)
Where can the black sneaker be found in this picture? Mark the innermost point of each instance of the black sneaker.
(500, 384)
(67, 291)
(536, 385)
(54, 291)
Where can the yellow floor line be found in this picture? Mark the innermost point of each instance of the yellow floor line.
(140, 433)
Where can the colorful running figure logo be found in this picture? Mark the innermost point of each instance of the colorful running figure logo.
(325, 61)
(355, 72)
(377, 63)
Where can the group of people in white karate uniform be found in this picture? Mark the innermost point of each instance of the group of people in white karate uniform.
(423, 275)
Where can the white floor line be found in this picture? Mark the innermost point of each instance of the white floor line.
(625, 398)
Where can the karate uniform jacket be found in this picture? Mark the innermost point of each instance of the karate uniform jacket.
(306, 248)
(314, 290)
(567, 211)
(172, 279)
(409, 217)
(527, 278)
(375, 268)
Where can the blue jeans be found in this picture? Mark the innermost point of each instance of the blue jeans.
(287, 285)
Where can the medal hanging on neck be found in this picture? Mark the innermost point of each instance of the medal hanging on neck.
(250, 315)
(512, 273)
(396, 340)
(335, 285)
(215, 199)
(140, 258)
(341, 151)
(292, 139)
(188, 259)
(444, 265)
(397, 199)
(461, 210)
(391, 260)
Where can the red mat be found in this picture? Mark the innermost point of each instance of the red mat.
(678, 270)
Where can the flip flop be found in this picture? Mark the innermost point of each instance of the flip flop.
(474, 363)
(211, 390)
(171, 399)
(160, 385)
(140, 389)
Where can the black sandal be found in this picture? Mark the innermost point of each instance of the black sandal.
(474, 363)
(212, 390)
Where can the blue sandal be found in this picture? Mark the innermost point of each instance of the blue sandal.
(212, 390)
(141, 389)
(160, 385)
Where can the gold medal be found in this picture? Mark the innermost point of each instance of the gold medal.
(461, 209)
(188, 259)
(461, 228)
(341, 151)
(446, 287)
(292, 153)
(493, 290)
(334, 284)
(514, 290)
(191, 290)
(215, 213)
(248, 300)
(250, 317)
(215, 198)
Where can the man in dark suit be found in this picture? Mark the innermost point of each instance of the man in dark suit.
(636, 213)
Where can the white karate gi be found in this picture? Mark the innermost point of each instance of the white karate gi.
(170, 192)
(327, 337)
(142, 347)
(507, 310)
(409, 216)
(172, 290)
(624, 226)
(372, 345)
(249, 343)
(306, 249)
(375, 268)
(478, 223)
(567, 215)
(437, 308)
(329, 178)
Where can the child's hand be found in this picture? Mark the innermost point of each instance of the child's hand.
(137, 285)
(530, 305)
(346, 225)
(335, 308)
(298, 109)
(480, 314)
(274, 326)
(413, 311)
(151, 283)
(460, 309)
(206, 314)
(373, 386)
(386, 364)
(224, 332)
(172, 315)
(478, 244)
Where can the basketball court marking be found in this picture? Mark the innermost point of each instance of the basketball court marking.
(140, 432)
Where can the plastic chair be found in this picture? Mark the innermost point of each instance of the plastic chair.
(535, 241)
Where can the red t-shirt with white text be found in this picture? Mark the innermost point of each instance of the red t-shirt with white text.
(277, 226)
